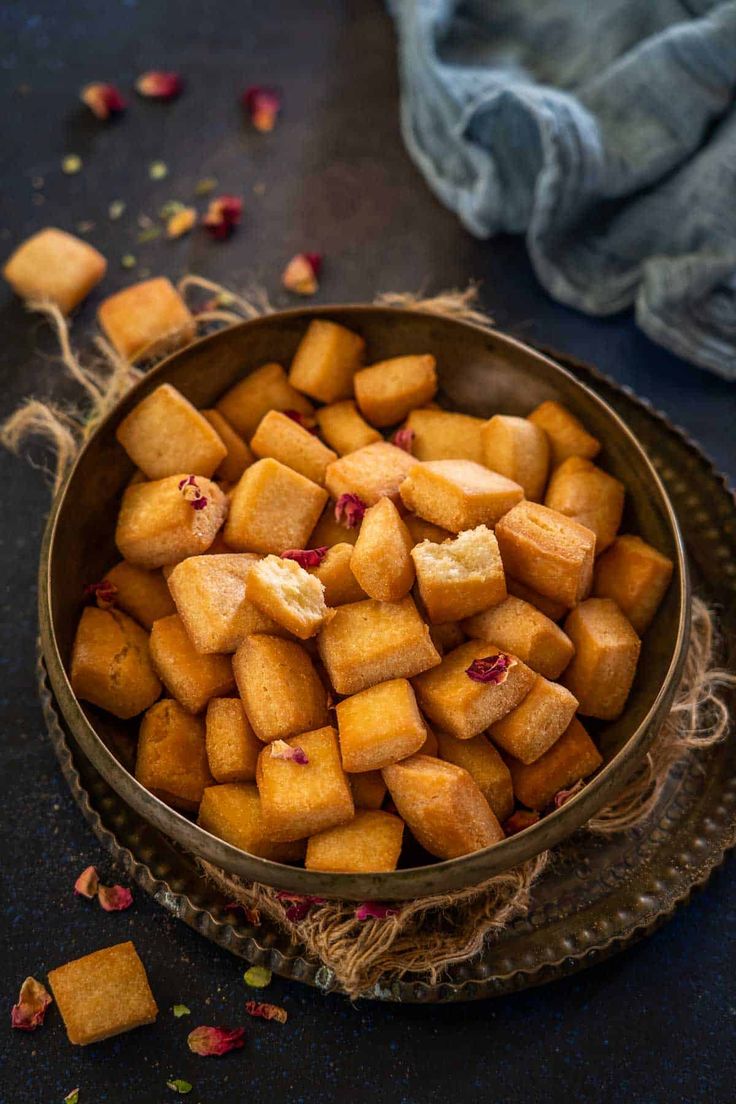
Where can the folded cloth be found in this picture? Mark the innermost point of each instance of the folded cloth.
(605, 131)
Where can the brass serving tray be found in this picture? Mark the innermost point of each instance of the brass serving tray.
(603, 893)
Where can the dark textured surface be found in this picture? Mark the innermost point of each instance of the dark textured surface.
(654, 1025)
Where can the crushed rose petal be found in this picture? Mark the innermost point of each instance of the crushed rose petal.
(492, 668)
(564, 795)
(102, 99)
(257, 977)
(104, 593)
(374, 910)
(190, 488)
(114, 898)
(266, 1011)
(252, 915)
(300, 274)
(208, 1041)
(263, 105)
(179, 1085)
(181, 222)
(223, 215)
(281, 750)
(87, 883)
(349, 510)
(306, 557)
(29, 1012)
(297, 905)
(403, 439)
(301, 419)
(159, 85)
(518, 821)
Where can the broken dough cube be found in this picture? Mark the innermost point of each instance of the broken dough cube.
(443, 435)
(326, 360)
(149, 318)
(369, 844)
(272, 509)
(379, 726)
(368, 789)
(381, 560)
(343, 428)
(588, 495)
(158, 525)
(374, 472)
(171, 760)
(232, 812)
(281, 690)
(164, 434)
(518, 627)
(232, 745)
(189, 676)
(518, 449)
(635, 576)
(567, 435)
(549, 552)
(460, 577)
(142, 594)
(238, 456)
(387, 391)
(289, 595)
(606, 654)
(458, 494)
(267, 388)
(483, 763)
(54, 266)
(286, 441)
(572, 757)
(337, 578)
(537, 722)
(111, 663)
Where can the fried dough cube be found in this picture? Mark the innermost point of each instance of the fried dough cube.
(387, 391)
(458, 494)
(190, 677)
(232, 745)
(238, 457)
(368, 789)
(272, 509)
(567, 435)
(232, 812)
(537, 722)
(283, 439)
(53, 265)
(460, 577)
(326, 361)
(606, 654)
(635, 576)
(171, 760)
(369, 844)
(518, 449)
(142, 594)
(447, 636)
(442, 435)
(329, 531)
(374, 472)
(266, 389)
(103, 994)
(299, 800)
(287, 593)
(442, 805)
(422, 530)
(148, 318)
(111, 663)
(588, 495)
(547, 551)
(548, 606)
(281, 690)
(460, 705)
(483, 763)
(382, 561)
(572, 757)
(344, 429)
(337, 578)
(518, 627)
(370, 642)
(379, 726)
(164, 434)
(158, 525)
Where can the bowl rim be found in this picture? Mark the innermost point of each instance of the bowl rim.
(410, 882)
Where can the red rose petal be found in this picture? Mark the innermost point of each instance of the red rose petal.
(104, 593)
(492, 669)
(298, 904)
(518, 821)
(564, 795)
(266, 1011)
(374, 910)
(190, 488)
(281, 750)
(114, 898)
(159, 85)
(403, 439)
(87, 883)
(210, 1041)
(102, 99)
(306, 557)
(300, 274)
(301, 419)
(263, 105)
(223, 215)
(29, 1012)
(349, 510)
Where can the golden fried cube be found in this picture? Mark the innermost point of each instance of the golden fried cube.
(374, 472)
(158, 524)
(460, 577)
(518, 449)
(422, 530)
(387, 391)
(606, 654)
(266, 389)
(548, 606)
(370, 642)
(460, 705)
(238, 456)
(146, 319)
(382, 561)
(55, 266)
(232, 812)
(111, 664)
(272, 509)
(537, 722)
(164, 434)
(289, 595)
(103, 994)
(326, 361)
(189, 676)
(442, 805)
(442, 435)
(336, 577)
(572, 757)
(283, 439)
(369, 844)
(458, 494)
(281, 690)
(516, 626)
(143, 594)
(379, 726)
(171, 760)
(447, 636)
(329, 531)
(301, 799)
(588, 495)
(483, 763)
(635, 576)
(547, 551)
(567, 435)
(344, 429)
(368, 789)
(232, 745)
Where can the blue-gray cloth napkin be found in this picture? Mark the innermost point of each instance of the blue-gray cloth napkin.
(603, 130)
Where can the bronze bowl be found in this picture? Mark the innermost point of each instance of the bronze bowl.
(482, 372)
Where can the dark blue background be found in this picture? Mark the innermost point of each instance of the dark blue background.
(653, 1025)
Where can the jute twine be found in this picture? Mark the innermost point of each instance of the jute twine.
(423, 937)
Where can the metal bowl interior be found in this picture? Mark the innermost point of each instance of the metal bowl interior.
(482, 372)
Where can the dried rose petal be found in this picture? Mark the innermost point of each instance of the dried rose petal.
(300, 274)
(114, 898)
(252, 915)
(263, 105)
(403, 439)
(349, 510)
(281, 750)
(301, 419)
(181, 222)
(564, 795)
(493, 669)
(306, 557)
(266, 1011)
(298, 904)
(208, 1041)
(190, 488)
(518, 821)
(374, 910)
(87, 883)
(103, 592)
(33, 1000)
(223, 215)
(102, 99)
(159, 85)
